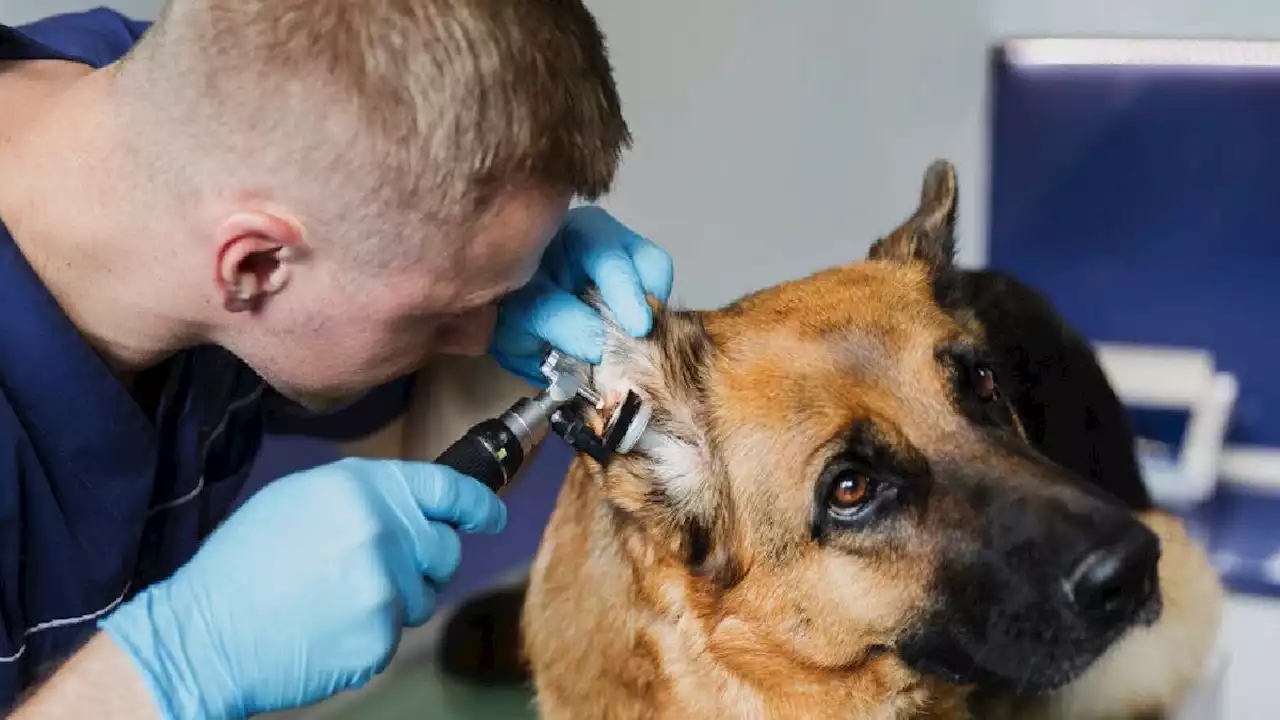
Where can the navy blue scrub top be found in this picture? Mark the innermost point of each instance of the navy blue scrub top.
(97, 499)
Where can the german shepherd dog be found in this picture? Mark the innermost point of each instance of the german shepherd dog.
(892, 489)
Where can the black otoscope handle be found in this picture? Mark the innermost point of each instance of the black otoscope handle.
(488, 452)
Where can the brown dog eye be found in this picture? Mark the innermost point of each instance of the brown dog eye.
(985, 385)
(849, 492)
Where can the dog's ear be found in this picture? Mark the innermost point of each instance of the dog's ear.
(671, 482)
(928, 236)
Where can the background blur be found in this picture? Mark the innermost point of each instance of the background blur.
(774, 139)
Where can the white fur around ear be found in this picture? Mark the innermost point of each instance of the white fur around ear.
(671, 476)
(665, 369)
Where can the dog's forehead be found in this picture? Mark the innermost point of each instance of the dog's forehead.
(852, 325)
(803, 360)
(860, 296)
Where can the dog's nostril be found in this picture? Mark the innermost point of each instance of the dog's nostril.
(1115, 580)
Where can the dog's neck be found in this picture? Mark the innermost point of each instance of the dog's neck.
(657, 640)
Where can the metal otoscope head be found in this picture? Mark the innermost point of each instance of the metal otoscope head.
(529, 418)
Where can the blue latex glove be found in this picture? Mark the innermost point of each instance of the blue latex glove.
(303, 592)
(591, 246)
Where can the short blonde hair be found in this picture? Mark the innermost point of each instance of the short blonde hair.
(408, 109)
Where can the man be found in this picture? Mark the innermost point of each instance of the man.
(246, 216)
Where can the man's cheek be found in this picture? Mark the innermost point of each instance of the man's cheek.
(468, 335)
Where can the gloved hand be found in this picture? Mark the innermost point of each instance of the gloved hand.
(594, 246)
(303, 592)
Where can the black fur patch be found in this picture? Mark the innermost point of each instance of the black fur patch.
(1051, 376)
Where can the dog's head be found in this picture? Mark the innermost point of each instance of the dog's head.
(833, 471)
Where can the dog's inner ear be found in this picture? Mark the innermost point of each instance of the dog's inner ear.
(928, 236)
(672, 482)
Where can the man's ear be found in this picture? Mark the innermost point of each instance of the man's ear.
(928, 236)
(672, 481)
(255, 254)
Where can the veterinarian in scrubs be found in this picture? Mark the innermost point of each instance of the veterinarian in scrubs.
(171, 270)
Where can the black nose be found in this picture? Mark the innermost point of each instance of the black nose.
(1115, 581)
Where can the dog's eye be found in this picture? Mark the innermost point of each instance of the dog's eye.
(849, 493)
(984, 384)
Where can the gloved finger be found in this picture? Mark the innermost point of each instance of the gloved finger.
(655, 267)
(559, 264)
(446, 495)
(527, 366)
(602, 246)
(391, 645)
(612, 271)
(419, 596)
(543, 310)
(428, 606)
(519, 346)
(518, 351)
(416, 595)
(569, 325)
(513, 339)
(438, 550)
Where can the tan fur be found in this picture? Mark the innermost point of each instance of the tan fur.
(681, 581)
(615, 634)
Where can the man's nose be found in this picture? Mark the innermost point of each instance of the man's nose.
(468, 334)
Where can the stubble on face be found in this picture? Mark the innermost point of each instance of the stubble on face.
(390, 326)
